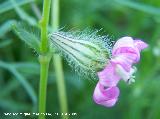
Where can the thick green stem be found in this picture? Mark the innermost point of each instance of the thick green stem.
(58, 63)
(44, 26)
(44, 61)
(44, 58)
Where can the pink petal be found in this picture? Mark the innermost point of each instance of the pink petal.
(140, 44)
(108, 77)
(126, 51)
(125, 60)
(105, 96)
(125, 45)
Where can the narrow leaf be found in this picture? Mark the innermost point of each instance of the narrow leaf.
(21, 79)
(29, 34)
(5, 43)
(139, 6)
(5, 27)
(22, 14)
(7, 5)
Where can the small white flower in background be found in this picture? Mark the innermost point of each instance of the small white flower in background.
(156, 49)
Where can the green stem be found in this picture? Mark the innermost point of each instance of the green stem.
(60, 84)
(55, 14)
(44, 26)
(58, 63)
(44, 62)
(44, 58)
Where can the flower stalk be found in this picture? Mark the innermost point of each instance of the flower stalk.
(57, 61)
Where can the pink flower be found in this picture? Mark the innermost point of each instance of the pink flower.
(125, 53)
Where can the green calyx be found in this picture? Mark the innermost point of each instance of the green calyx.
(83, 55)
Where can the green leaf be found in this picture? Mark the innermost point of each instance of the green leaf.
(22, 14)
(7, 5)
(4, 28)
(29, 34)
(21, 79)
(25, 68)
(12, 105)
(11, 86)
(139, 6)
(26, 85)
(5, 43)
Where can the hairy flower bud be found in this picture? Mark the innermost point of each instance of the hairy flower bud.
(83, 54)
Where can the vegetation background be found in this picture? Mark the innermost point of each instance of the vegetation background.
(19, 67)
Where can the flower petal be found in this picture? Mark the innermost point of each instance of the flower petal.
(125, 60)
(127, 46)
(140, 44)
(125, 53)
(105, 96)
(124, 45)
(108, 77)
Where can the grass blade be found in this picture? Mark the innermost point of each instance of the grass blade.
(7, 5)
(22, 80)
(139, 6)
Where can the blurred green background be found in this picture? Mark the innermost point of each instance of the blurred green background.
(19, 67)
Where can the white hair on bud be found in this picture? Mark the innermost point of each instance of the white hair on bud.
(92, 36)
(103, 42)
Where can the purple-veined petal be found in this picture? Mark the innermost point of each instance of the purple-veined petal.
(108, 77)
(125, 53)
(126, 45)
(125, 60)
(105, 96)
